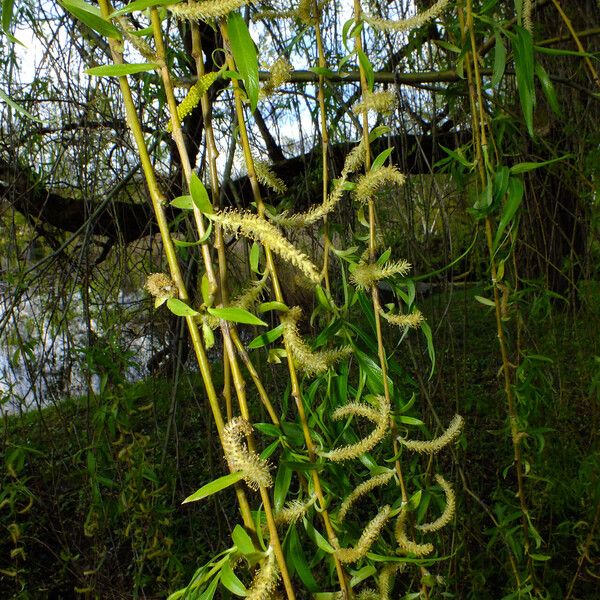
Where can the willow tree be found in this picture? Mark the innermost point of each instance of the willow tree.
(327, 504)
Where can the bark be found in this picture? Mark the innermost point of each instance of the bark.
(119, 220)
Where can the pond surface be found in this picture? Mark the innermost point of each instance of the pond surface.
(51, 347)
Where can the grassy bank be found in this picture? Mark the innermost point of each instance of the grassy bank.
(90, 504)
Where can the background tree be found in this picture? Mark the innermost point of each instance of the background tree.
(495, 129)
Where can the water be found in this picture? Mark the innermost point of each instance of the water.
(51, 348)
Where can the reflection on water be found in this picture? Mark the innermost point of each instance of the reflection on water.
(50, 347)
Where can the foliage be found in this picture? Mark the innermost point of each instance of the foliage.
(345, 477)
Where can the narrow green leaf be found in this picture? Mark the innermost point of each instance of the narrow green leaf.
(180, 308)
(409, 404)
(242, 540)
(448, 46)
(430, 347)
(530, 166)
(266, 338)
(214, 486)
(268, 451)
(142, 32)
(548, 89)
(513, 201)
(209, 592)
(141, 5)
(7, 13)
(91, 16)
(524, 69)
(183, 202)
(485, 301)
(378, 131)
(316, 537)
(231, 581)
(91, 463)
(322, 298)
(410, 420)
(236, 315)
(346, 31)
(414, 501)
(182, 244)
(226, 74)
(499, 61)
(207, 298)
(324, 71)
(367, 67)
(244, 54)
(120, 70)
(254, 257)
(299, 563)
(200, 195)
(267, 306)
(556, 52)
(268, 429)
(373, 372)
(18, 107)
(362, 574)
(459, 157)
(381, 158)
(281, 487)
(501, 179)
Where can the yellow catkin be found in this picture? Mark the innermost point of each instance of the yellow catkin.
(280, 73)
(265, 580)
(267, 177)
(304, 11)
(315, 213)
(209, 9)
(251, 294)
(365, 275)
(361, 490)
(368, 594)
(354, 161)
(410, 23)
(436, 444)
(449, 510)
(256, 228)
(372, 182)
(386, 579)
(160, 285)
(192, 98)
(368, 537)
(254, 470)
(411, 320)
(383, 102)
(379, 416)
(405, 545)
(527, 15)
(139, 43)
(293, 511)
(309, 361)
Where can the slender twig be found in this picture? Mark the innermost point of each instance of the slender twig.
(484, 166)
(588, 62)
(296, 393)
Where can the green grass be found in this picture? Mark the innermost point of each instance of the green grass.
(92, 489)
